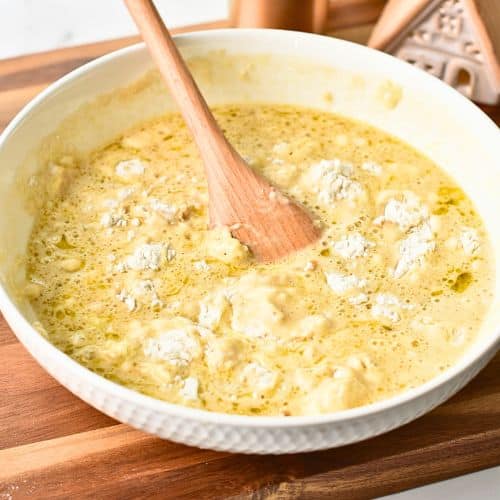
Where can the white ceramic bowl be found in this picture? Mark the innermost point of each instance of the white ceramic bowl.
(299, 68)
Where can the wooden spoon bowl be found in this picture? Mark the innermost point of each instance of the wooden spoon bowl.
(261, 217)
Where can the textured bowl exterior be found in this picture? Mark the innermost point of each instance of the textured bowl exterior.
(257, 437)
(234, 433)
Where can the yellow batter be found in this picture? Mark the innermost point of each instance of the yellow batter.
(127, 279)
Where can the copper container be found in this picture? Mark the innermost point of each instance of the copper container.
(300, 15)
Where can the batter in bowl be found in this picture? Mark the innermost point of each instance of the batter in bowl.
(126, 277)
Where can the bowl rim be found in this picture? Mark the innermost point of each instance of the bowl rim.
(36, 343)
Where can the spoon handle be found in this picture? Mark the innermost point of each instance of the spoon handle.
(270, 224)
(209, 138)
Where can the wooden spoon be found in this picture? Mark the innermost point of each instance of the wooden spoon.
(255, 212)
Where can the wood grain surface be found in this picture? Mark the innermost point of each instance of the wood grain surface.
(52, 445)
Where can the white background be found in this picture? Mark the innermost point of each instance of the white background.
(36, 25)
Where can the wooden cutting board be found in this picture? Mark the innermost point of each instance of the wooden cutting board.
(53, 445)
